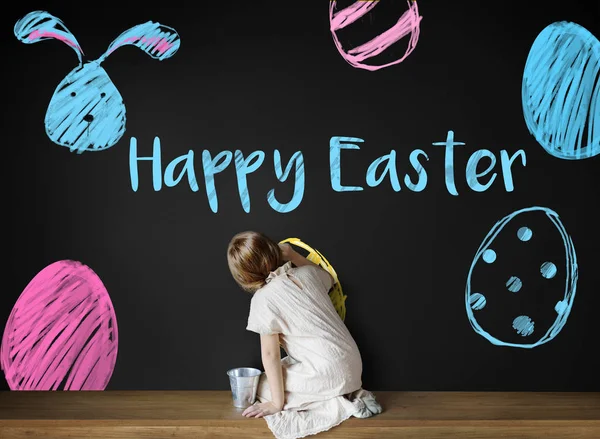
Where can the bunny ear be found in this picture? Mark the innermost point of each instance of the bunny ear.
(40, 25)
(156, 40)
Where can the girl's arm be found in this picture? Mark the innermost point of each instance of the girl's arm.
(271, 358)
(291, 255)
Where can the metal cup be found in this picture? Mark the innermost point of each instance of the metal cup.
(244, 384)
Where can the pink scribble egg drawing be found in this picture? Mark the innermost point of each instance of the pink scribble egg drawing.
(61, 333)
(407, 25)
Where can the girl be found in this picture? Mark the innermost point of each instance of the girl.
(318, 384)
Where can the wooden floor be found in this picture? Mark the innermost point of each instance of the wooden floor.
(210, 414)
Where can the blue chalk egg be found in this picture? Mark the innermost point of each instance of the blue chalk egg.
(489, 278)
(560, 91)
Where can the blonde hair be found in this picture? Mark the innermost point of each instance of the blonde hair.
(251, 256)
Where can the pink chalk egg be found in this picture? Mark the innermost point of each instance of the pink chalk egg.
(407, 25)
(61, 333)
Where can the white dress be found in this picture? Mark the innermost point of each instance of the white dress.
(323, 367)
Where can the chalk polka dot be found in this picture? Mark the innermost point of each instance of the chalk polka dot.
(489, 256)
(524, 233)
(523, 325)
(560, 307)
(548, 270)
(477, 301)
(514, 284)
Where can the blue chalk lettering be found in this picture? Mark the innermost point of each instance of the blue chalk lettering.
(243, 167)
(471, 172)
(421, 172)
(335, 145)
(212, 167)
(156, 165)
(282, 176)
(506, 167)
(449, 161)
(390, 169)
(188, 168)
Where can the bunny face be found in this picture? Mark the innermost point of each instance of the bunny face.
(86, 112)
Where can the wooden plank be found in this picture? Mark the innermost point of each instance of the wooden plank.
(210, 414)
(493, 430)
(208, 405)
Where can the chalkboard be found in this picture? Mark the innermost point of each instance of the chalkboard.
(451, 179)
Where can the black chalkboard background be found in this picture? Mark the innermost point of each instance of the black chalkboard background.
(265, 76)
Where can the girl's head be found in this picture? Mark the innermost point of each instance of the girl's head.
(251, 256)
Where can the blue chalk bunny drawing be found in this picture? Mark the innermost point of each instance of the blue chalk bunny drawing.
(87, 112)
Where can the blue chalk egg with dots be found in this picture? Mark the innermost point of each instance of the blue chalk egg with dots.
(502, 294)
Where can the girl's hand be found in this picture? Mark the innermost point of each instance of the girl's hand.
(286, 251)
(260, 410)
